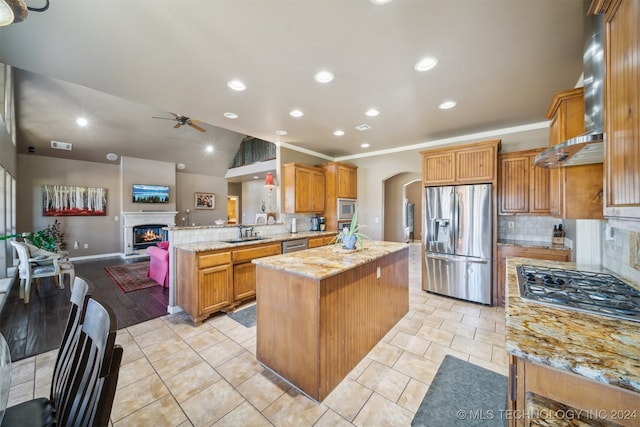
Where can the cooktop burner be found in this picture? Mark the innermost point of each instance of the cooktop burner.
(598, 293)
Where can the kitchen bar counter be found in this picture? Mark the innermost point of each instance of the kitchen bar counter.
(220, 244)
(321, 263)
(532, 244)
(599, 348)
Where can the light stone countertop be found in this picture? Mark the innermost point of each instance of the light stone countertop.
(326, 261)
(600, 348)
(531, 244)
(219, 244)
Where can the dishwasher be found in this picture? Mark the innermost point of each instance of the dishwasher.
(289, 246)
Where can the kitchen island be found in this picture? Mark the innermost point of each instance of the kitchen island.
(320, 311)
(566, 363)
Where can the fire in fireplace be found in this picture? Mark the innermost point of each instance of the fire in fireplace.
(148, 235)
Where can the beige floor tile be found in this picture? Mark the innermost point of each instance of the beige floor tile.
(385, 353)
(379, 411)
(479, 322)
(192, 381)
(241, 333)
(436, 335)
(222, 322)
(331, 419)
(163, 412)
(205, 339)
(410, 343)
(182, 324)
(417, 367)
(243, 415)
(172, 345)
(144, 327)
(262, 389)
(410, 326)
(348, 398)
(21, 392)
(212, 403)
(473, 347)
(466, 309)
(500, 369)
(134, 371)
(458, 328)
(240, 368)
(221, 352)
(23, 371)
(413, 395)
(383, 380)
(170, 366)
(436, 353)
(44, 368)
(131, 350)
(156, 336)
(494, 338)
(360, 368)
(294, 409)
(250, 344)
(137, 395)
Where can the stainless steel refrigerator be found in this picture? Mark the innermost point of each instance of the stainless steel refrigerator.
(458, 241)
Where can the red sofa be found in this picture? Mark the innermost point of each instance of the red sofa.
(159, 263)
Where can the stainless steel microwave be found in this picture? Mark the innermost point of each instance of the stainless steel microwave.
(346, 209)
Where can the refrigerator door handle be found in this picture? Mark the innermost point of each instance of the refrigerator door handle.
(454, 258)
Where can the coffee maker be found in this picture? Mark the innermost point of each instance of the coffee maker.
(321, 223)
(315, 224)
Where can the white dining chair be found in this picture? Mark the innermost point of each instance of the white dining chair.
(30, 269)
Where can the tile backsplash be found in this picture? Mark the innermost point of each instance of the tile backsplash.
(530, 228)
(618, 254)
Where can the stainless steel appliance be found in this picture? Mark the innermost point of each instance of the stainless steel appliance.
(321, 223)
(346, 209)
(315, 223)
(593, 292)
(343, 224)
(458, 241)
(289, 246)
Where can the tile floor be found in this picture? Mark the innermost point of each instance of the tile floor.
(174, 374)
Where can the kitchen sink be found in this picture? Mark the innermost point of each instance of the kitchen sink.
(244, 239)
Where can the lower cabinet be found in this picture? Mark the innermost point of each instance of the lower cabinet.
(244, 272)
(315, 242)
(506, 251)
(214, 292)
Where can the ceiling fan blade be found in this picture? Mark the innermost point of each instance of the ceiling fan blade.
(163, 118)
(177, 116)
(177, 125)
(201, 129)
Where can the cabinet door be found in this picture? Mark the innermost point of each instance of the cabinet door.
(347, 182)
(438, 168)
(244, 281)
(539, 186)
(475, 165)
(622, 110)
(214, 290)
(514, 184)
(316, 192)
(303, 190)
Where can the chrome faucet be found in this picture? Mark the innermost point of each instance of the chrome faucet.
(248, 231)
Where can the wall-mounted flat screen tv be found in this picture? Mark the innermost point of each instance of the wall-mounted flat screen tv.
(144, 193)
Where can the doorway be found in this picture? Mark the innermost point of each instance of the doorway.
(233, 206)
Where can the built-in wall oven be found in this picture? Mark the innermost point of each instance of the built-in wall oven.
(343, 224)
(346, 209)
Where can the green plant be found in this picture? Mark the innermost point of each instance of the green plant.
(352, 237)
(50, 239)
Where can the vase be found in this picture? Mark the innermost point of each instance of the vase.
(349, 242)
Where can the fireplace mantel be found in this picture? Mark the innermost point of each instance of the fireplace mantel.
(132, 219)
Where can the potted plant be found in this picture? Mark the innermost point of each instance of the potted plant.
(352, 237)
(50, 239)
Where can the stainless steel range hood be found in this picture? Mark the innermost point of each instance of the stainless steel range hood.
(589, 147)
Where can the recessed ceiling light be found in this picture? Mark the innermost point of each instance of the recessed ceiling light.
(281, 132)
(236, 85)
(446, 105)
(380, 2)
(426, 64)
(230, 115)
(339, 133)
(181, 166)
(112, 156)
(363, 127)
(296, 113)
(365, 145)
(81, 121)
(256, 177)
(372, 112)
(209, 148)
(324, 76)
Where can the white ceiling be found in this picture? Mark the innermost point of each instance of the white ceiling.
(121, 62)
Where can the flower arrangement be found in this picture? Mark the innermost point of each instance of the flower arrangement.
(352, 237)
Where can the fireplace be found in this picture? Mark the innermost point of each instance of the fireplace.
(146, 235)
(148, 219)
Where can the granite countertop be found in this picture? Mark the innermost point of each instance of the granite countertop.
(600, 348)
(326, 261)
(219, 244)
(532, 244)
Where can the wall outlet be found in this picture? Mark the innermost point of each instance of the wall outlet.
(75, 245)
(378, 272)
(511, 224)
(86, 246)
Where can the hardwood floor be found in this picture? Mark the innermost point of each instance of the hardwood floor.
(37, 327)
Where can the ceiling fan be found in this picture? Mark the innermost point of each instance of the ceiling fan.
(183, 120)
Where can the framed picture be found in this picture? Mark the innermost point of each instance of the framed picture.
(70, 200)
(205, 201)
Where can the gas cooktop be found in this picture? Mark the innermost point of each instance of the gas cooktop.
(598, 293)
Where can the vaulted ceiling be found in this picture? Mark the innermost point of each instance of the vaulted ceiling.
(119, 63)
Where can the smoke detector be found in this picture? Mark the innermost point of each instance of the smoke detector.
(61, 145)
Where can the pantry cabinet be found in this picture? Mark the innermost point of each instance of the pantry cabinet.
(303, 188)
(524, 187)
(462, 164)
(341, 182)
(575, 192)
(622, 109)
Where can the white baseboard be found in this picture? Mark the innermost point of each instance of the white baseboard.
(81, 258)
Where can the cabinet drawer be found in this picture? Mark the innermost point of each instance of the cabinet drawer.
(241, 255)
(314, 242)
(211, 260)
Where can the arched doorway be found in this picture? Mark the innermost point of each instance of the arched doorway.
(400, 191)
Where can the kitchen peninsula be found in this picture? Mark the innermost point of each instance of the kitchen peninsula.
(320, 311)
(564, 361)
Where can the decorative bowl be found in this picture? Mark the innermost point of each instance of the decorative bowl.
(220, 222)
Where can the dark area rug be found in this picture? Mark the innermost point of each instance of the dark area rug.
(463, 394)
(131, 277)
(246, 316)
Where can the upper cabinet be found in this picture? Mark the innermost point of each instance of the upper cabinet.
(575, 192)
(622, 108)
(303, 188)
(463, 164)
(341, 182)
(524, 188)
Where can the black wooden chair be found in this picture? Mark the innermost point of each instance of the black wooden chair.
(85, 374)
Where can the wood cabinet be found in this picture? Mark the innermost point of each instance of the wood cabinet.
(314, 242)
(304, 188)
(506, 251)
(542, 395)
(575, 192)
(622, 109)
(244, 272)
(341, 182)
(524, 187)
(462, 164)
